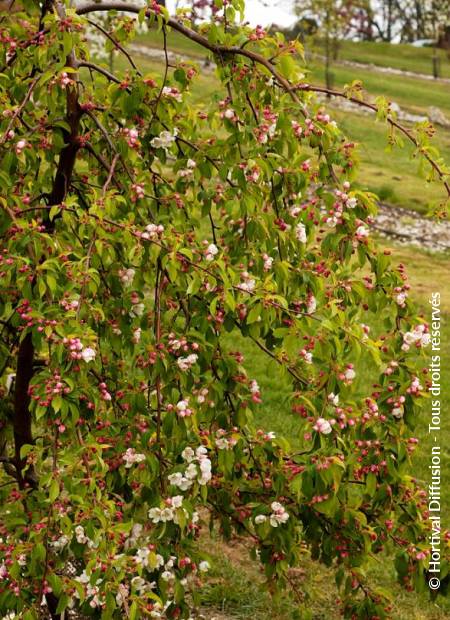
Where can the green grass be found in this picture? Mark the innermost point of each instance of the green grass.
(176, 43)
(412, 94)
(403, 57)
(392, 174)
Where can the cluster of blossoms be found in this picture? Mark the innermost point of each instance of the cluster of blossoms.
(189, 170)
(342, 201)
(223, 442)
(255, 391)
(199, 469)
(153, 231)
(348, 375)
(60, 543)
(182, 408)
(300, 233)
(247, 284)
(268, 262)
(54, 386)
(258, 34)
(362, 232)
(132, 137)
(415, 388)
(21, 146)
(311, 304)
(82, 539)
(252, 174)
(78, 351)
(279, 515)
(419, 336)
(297, 128)
(401, 296)
(397, 410)
(306, 356)
(92, 591)
(70, 304)
(266, 130)
(64, 80)
(323, 426)
(104, 394)
(392, 367)
(185, 363)
(127, 276)
(226, 111)
(168, 512)
(173, 93)
(131, 457)
(137, 192)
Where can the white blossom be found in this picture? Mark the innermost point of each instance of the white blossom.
(176, 501)
(300, 233)
(188, 454)
(349, 374)
(311, 304)
(333, 398)
(397, 412)
(203, 566)
(88, 354)
(260, 519)
(418, 336)
(164, 140)
(137, 310)
(80, 535)
(127, 275)
(211, 252)
(131, 456)
(362, 232)
(185, 363)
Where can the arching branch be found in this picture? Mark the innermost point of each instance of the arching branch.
(223, 50)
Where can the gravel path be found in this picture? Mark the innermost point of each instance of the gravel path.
(411, 228)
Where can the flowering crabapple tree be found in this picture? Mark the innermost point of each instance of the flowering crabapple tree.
(143, 240)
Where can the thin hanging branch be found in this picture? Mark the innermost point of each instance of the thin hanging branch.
(371, 106)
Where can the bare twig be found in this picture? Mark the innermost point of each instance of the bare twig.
(115, 43)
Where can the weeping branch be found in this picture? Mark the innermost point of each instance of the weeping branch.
(223, 50)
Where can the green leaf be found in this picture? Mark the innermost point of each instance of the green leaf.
(371, 484)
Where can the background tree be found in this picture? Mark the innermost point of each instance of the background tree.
(333, 22)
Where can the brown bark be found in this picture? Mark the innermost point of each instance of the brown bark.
(22, 421)
(22, 417)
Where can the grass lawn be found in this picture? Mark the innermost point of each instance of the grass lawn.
(392, 174)
(234, 590)
(398, 56)
(176, 43)
(412, 94)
